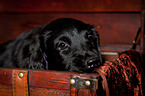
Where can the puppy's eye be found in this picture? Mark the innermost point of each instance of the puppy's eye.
(91, 37)
(62, 45)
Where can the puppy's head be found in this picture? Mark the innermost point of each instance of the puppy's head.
(72, 45)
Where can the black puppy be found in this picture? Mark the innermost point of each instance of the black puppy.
(64, 44)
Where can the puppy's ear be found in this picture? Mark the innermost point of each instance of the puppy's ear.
(38, 57)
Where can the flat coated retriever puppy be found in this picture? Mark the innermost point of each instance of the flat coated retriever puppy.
(64, 44)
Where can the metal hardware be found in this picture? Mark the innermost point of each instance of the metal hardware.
(79, 83)
(87, 83)
(21, 75)
(72, 81)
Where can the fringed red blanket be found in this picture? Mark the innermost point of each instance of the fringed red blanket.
(123, 75)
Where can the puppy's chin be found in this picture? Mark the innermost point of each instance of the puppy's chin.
(88, 69)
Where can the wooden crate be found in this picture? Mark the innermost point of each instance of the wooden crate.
(20, 82)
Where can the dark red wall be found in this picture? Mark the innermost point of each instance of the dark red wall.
(117, 21)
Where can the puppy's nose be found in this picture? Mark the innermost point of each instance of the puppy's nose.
(93, 63)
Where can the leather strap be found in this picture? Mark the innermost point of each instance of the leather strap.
(20, 83)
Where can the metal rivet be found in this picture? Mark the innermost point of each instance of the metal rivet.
(72, 81)
(87, 83)
(21, 75)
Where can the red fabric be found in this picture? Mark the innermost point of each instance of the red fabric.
(124, 74)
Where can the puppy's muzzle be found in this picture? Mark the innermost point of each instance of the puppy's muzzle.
(93, 63)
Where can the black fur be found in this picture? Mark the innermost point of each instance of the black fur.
(64, 44)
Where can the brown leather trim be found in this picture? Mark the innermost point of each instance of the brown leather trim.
(20, 83)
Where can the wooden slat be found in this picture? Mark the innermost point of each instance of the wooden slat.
(70, 6)
(53, 80)
(114, 28)
(117, 48)
(6, 90)
(34, 91)
(5, 76)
